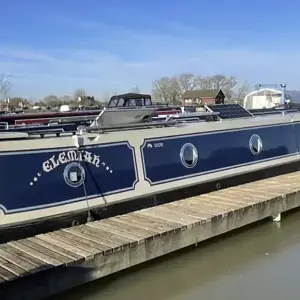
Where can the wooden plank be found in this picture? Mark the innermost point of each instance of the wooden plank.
(89, 232)
(222, 201)
(75, 240)
(127, 224)
(18, 261)
(200, 213)
(204, 206)
(250, 192)
(209, 207)
(110, 229)
(273, 191)
(93, 244)
(155, 223)
(243, 196)
(194, 210)
(125, 242)
(37, 253)
(16, 253)
(57, 248)
(258, 193)
(164, 215)
(224, 207)
(170, 210)
(5, 264)
(284, 182)
(7, 275)
(84, 235)
(78, 249)
(129, 227)
(240, 198)
(44, 249)
(155, 228)
(218, 201)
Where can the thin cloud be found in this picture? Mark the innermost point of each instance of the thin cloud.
(104, 57)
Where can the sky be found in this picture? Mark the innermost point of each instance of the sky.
(57, 46)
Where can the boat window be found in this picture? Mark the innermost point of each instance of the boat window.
(189, 155)
(74, 174)
(148, 101)
(130, 102)
(255, 144)
(113, 103)
(139, 102)
(121, 102)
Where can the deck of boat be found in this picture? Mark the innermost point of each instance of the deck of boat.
(50, 263)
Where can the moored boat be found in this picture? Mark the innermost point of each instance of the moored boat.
(121, 109)
(45, 179)
(132, 108)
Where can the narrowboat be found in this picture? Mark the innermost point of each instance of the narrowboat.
(54, 177)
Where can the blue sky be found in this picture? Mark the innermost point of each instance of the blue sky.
(54, 47)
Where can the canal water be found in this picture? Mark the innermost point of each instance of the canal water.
(259, 262)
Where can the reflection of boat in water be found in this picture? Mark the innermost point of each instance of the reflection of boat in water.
(48, 178)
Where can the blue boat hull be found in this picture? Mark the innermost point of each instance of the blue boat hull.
(216, 151)
(102, 174)
(43, 177)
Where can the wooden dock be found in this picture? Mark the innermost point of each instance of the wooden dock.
(47, 264)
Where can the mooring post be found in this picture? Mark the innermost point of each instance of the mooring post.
(276, 218)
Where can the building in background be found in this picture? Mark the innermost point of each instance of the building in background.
(202, 97)
(269, 97)
(262, 98)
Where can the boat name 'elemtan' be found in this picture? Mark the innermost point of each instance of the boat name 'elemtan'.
(69, 156)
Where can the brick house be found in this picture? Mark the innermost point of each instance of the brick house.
(202, 97)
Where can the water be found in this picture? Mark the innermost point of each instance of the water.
(260, 262)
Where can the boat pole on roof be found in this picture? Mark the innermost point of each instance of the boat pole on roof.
(283, 86)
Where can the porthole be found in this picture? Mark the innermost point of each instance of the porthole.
(255, 144)
(74, 174)
(189, 155)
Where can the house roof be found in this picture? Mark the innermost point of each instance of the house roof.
(193, 94)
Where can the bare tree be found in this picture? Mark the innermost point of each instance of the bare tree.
(66, 99)
(166, 89)
(161, 88)
(170, 89)
(219, 82)
(51, 100)
(5, 85)
(241, 91)
(79, 93)
(187, 82)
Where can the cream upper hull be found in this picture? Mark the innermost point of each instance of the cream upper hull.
(136, 139)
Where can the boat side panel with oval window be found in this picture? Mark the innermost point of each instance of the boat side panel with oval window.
(255, 144)
(57, 176)
(214, 152)
(189, 155)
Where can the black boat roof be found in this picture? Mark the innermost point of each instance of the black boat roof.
(130, 96)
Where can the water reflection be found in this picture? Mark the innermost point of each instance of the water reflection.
(258, 263)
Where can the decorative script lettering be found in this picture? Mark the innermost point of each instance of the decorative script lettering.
(69, 156)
